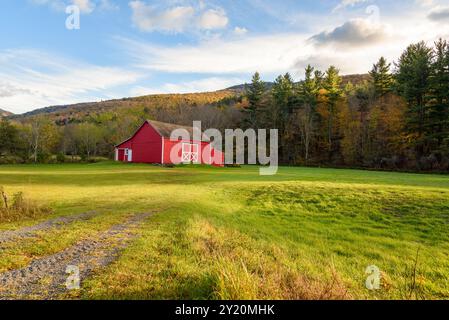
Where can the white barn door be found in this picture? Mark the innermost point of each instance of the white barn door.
(128, 155)
(190, 153)
(186, 152)
(195, 153)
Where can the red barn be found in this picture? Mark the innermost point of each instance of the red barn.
(151, 144)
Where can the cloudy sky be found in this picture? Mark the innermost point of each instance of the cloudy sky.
(128, 48)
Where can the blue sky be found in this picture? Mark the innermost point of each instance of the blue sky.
(129, 48)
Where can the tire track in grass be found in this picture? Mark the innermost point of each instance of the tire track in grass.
(45, 278)
(56, 223)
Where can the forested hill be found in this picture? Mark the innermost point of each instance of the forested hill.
(78, 112)
(240, 88)
(4, 113)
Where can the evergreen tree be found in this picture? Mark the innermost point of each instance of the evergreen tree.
(438, 107)
(412, 76)
(381, 77)
(309, 87)
(254, 93)
(319, 79)
(332, 84)
(308, 96)
(283, 94)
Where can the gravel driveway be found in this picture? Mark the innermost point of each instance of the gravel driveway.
(45, 278)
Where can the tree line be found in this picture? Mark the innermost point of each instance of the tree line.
(398, 119)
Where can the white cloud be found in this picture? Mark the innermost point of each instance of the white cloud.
(32, 79)
(58, 5)
(7, 90)
(148, 18)
(213, 19)
(108, 5)
(353, 46)
(202, 85)
(240, 31)
(439, 13)
(347, 3)
(177, 19)
(356, 32)
(269, 53)
(424, 3)
(85, 6)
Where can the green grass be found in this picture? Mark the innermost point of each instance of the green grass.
(228, 233)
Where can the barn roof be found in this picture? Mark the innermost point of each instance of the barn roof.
(165, 130)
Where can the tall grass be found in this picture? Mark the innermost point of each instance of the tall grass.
(243, 270)
(18, 207)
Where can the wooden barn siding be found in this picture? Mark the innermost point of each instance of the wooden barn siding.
(146, 145)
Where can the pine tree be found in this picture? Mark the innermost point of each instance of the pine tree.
(412, 76)
(381, 77)
(283, 94)
(308, 96)
(254, 93)
(319, 79)
(309, 87)
(438, 107)
(332, 84)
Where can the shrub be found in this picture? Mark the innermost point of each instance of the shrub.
(43, 157)
(19, 208)
(60, 157)
(10, 160)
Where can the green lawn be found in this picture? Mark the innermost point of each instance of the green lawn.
(223, 233)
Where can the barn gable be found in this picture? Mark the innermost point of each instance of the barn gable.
(145, 131)
(145, 145)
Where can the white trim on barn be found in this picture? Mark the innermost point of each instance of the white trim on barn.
(162, 151)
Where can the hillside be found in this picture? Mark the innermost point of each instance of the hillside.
(4, 113)
(78, 112)
(240, 88)
(355, 79)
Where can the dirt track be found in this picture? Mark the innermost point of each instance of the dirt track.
(28, 232)
(45, 278)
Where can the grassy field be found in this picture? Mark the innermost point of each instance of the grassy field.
(228, 233)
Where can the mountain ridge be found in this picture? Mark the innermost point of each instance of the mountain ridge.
(5, 113)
